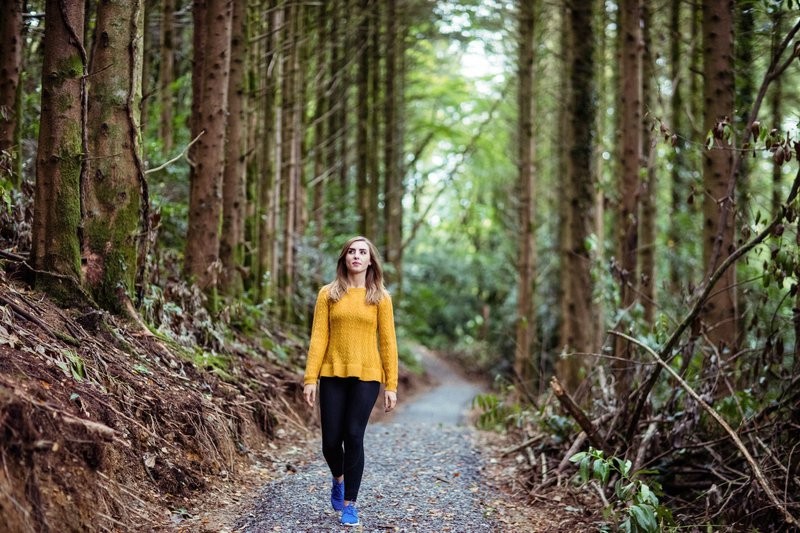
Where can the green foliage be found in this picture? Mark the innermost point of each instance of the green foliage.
(496, 414)
(72, 365)
(635, 507)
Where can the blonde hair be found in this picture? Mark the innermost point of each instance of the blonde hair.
(374, 281)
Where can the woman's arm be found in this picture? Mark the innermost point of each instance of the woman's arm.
(387, 342)
(320, 331)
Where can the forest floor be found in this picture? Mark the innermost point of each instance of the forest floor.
(105, 426)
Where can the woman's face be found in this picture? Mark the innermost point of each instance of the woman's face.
(357, 257)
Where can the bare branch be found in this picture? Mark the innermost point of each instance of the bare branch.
(721, 421)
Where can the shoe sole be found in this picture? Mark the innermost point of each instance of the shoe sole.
(350, 525)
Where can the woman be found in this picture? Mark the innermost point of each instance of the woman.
(353, 350)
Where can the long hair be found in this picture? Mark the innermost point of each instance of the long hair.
(374, 282)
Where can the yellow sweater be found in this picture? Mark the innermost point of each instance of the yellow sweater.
(351, 338)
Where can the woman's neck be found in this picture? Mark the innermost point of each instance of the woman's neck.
(357, 280)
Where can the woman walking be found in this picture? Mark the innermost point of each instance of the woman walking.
(353, 350)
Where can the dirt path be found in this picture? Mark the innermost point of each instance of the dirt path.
(422, 473)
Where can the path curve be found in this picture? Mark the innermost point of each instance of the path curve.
(422, 472)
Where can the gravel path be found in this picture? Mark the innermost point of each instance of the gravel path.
(422, 474)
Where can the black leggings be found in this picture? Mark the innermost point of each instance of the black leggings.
(345, 406)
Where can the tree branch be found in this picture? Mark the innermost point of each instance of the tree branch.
(695, 310)
(721, 421)
(174, 159)
(577, 413)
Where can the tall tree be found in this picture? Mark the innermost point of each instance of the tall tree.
(720, 312)
(166, 75)
(630, 124)
(211, 68)
(290, 154)
(231, 252)
(647, 209)
(59, 163)
(10, 70)
(365, 210)
(524, 366)
(393, 186)
(270, 154)
(322, 102)
(678, 124)
(112, 189)
(373, 155)
(577, 328)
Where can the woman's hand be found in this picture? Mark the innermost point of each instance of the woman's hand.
(310, 393)
(389, 400)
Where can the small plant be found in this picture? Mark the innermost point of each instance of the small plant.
(636, 508)
(495, 414)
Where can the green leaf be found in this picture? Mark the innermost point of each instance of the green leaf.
(601, 470)
(644, 516)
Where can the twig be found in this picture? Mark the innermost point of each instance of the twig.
(11, 257)
(577, 413)
(29, 317)
(174, 159)
(577, 445)
(518, 447)
(765, 485)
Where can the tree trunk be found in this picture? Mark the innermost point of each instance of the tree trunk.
(233, 188)
(524, 366)
(719, 313)
(647, 249)
(270, 153)
(212, 65)
(166, 75)
(393, 180)
(577, 335)
(365, 211)
(679, 167)
(147, 52)
(323, 103)
(57, 202)
(10, 71)
(288, 157)
(630, 120)
(112, 190)
(373, 154)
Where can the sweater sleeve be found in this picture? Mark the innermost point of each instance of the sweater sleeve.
(320, 331)
(387, 342)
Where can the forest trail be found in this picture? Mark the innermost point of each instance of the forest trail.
(423, 472)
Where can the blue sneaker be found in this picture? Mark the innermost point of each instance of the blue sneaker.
(350, 515)
(337, 495)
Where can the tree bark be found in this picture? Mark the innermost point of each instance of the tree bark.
(323, 103)
(524, 365)
(373, 154)
(270, 153)
(59, 161)
(365, 212)
(647, 209)
(112, 190)
(630, 120)
(10, 71)
(233, 189)
(166, 75)
(577, 330)
(212, 65)
(720, 312)
(393, 186)
(678, 125)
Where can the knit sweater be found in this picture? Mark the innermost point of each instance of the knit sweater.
(351, 338)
